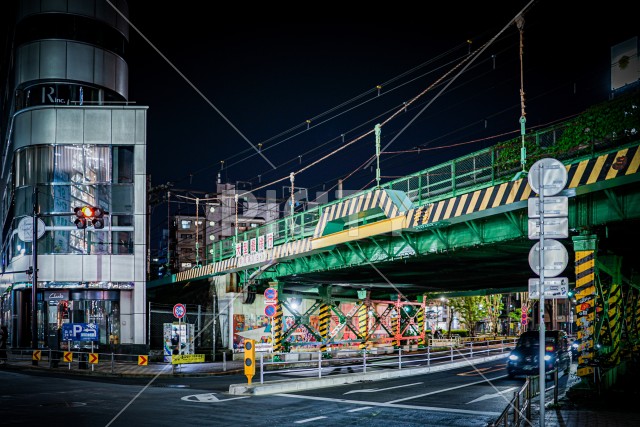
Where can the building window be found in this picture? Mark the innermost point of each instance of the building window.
(185, 224)
(186, 236)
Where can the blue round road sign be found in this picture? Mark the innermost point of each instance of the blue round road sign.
(271, 293)
(270, 310)
(179, 310)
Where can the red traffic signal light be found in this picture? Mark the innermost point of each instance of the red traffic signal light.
(86, 213)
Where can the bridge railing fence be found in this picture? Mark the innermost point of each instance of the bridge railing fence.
(600, 128)
(319, 364)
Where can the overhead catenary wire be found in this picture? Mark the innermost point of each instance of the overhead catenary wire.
(464, 64)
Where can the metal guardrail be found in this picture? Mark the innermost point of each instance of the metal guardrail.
(518, 410)
(83, 360)
(318, 364)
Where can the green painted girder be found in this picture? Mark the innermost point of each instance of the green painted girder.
(585, 211)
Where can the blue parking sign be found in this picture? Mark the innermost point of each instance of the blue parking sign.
(80, 332)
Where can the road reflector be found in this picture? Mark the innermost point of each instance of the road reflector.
(68, 356)
(36, 355)
(93, 358)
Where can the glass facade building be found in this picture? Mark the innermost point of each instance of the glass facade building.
(70, 138)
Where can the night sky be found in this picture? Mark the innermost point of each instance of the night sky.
(267, 74)
(265, 70)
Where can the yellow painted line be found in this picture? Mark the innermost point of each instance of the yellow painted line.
(463, 200)
(635, 163)
(513, 192)
(597, 168)
(501, 190)
(578, 175)
(367, 230)
(485, 199)
(474, 201)
(447, 213)
(436, 217)
(582, 267)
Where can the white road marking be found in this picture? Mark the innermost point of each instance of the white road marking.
(445, 389)
(208, 398)
(359, 409)
(390, 405)
(491, 396)
(375, 390)
(309, 420)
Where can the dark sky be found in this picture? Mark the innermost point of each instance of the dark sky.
(267, 69)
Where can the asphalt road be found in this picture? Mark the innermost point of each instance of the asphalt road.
(461, 397)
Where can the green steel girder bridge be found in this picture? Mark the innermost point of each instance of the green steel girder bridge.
(461, 228)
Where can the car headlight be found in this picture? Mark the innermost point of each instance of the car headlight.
(513, 357)
(547, 357)
(575, 345)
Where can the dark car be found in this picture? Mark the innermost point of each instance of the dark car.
(523, 360)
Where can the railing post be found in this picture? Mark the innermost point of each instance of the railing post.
(555, 387)
(224, 361)
(399, 358)
(528, 399)
(516, 411)
(261, 368)
(428, 355)
(320, 364)
(364, 361)
(451, 347)
(112, 363)
(471, 349)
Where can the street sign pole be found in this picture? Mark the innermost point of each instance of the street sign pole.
(541, 351)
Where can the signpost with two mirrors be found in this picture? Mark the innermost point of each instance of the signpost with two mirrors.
(548, 258)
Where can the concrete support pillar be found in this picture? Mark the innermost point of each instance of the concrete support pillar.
(585, 292)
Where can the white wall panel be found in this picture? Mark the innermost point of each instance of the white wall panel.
(43, 126)
(69, 125)
(97, 126)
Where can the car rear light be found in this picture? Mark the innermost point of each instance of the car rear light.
(549, 348)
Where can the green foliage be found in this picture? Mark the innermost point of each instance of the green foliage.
(599, 126)
(515, 315)
(470, 310)
(494, 306)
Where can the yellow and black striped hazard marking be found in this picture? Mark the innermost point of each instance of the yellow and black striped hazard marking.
(363, 325)
(386, 200)
(323, 320)
(585, 307)
(420, 318)
(277, 329)
(608, 166)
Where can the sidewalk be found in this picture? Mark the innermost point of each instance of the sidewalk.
(117, 368)
(619, 407)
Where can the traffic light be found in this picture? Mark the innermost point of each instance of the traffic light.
(98, 218)
(249, 359)
(87, 213)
